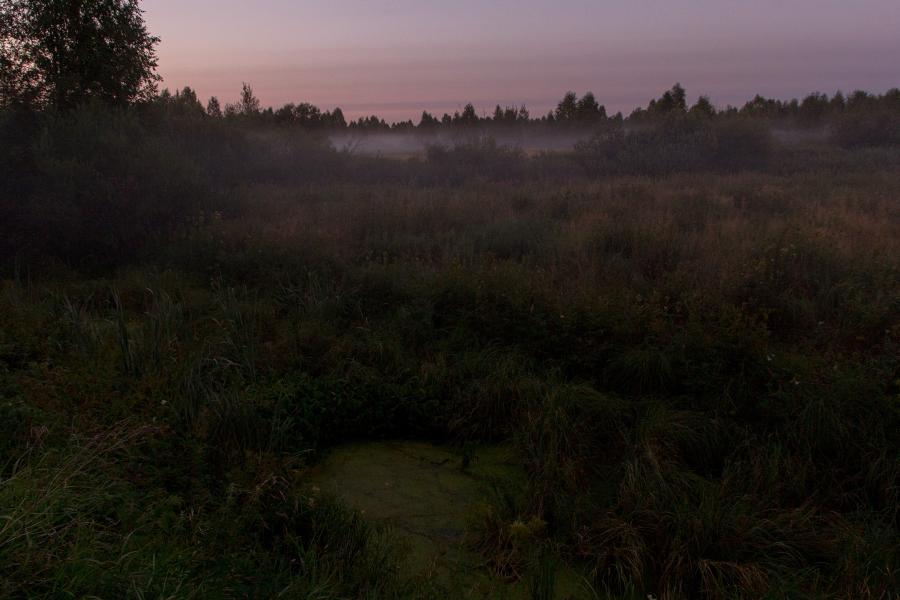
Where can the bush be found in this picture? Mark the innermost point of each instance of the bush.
(97, 185)
(104, 186)
(679, 145)
(868, 129)
(479, 158)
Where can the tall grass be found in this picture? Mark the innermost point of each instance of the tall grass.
(695, 359)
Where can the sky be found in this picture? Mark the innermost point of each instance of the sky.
(396, 58)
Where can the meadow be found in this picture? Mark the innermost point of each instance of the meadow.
(685, 339)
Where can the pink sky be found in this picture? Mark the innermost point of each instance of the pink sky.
(397, 58)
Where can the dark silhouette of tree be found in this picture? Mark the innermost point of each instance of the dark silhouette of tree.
(370, 124)
(428, 121)
(19, 77)
(792, 108)
(303, 115)
(510, 115)
(213, 108)
(703, 108)
(65, 52)
(813, 108)
(763, 107)
(567, 109)
(336, 118)
(403, 126)
(673, 101)
(679, 97)
(247, 106)
(187, 104)
(468, 117)
(858, 100)
(838, 103)
(285, 114)
(891, 99)
(307, 114)
(183, 104)
(588, 110)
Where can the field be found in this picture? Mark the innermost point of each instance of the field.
(638, 376)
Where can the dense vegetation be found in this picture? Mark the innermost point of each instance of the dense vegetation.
(855, 120)
(699, 367)
(687, 327)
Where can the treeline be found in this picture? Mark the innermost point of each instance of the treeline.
(815, 110)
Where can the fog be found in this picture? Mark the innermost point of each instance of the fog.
(414, 143)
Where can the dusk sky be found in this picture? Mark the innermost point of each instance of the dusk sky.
(397, 58)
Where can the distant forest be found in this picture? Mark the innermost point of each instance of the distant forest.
(814, 110)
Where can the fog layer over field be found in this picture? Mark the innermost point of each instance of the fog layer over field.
(396, 144)
(400, 144)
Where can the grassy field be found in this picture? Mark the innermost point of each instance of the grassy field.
(694, 369)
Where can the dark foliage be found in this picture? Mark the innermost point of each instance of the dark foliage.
(683, 144)
(60, 54)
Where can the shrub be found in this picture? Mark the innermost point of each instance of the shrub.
(677, 145)
(479, 158)
(105, 187)
(881, 128)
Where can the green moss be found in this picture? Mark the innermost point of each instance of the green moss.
(423, 493)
